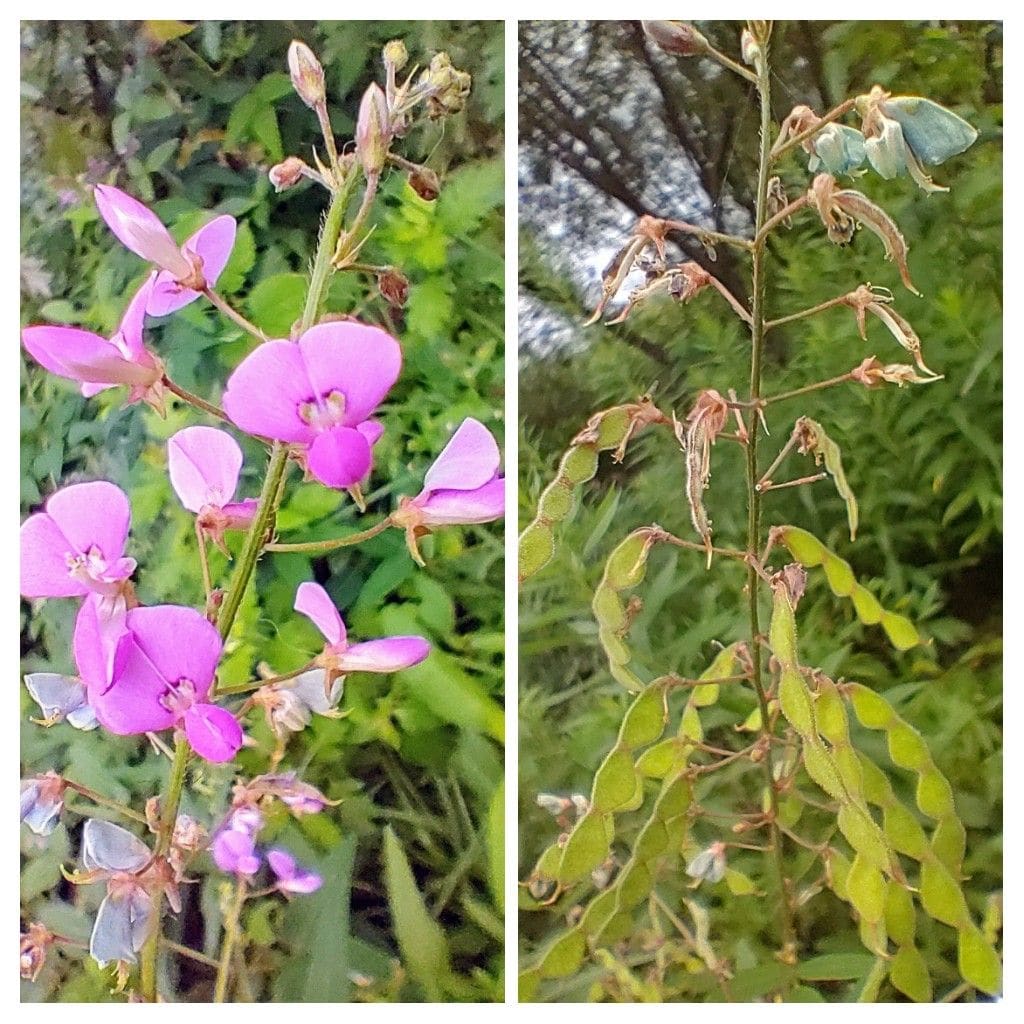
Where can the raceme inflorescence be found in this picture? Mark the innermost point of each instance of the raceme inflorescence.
(828, 817)
(313, 400)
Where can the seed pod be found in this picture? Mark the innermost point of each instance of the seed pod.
(586, 847)
(867, 889)
(809, 551)
(814, 441)
(941, 896)
(979, 965)
(610, 428)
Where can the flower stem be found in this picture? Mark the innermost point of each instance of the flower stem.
(232, 314)
(231, 929)
(105, 801)
(195, 400)
(204, 561)
(786, 922)
(833, 115)
(168, 816)
(808, 388)
(319, 547)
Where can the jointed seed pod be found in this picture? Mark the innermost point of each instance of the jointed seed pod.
(609, 429)
(814, 441)
(810, 552)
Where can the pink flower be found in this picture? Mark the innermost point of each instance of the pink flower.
(290, 877)
(153, 671)
(99, 363)
(76, 546)
(462, 486)
(203, 464)
(184, 271)
(319, 392)
(390, 654)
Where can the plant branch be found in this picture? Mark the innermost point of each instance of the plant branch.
(813, 479)
(839, 300)
(784, 214)
(320, 547)
(195, 400)
(231, 930)
(727, 62)
(105, 801)
(759, 255)
(808, 388)
(233, 315)
(706, 235)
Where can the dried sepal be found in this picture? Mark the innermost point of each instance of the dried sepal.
(703, 424)
(842, 209)
(878, 302)
(615, 273)
(812, 440)
(872, 374)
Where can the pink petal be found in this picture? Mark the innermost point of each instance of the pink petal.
(483, 505)
(213, 244)
(240, 514)
(372, 430)
(101, 643)
(178, 642)
(339, 457)
(265, 392)
(44, 568)
(469, 460)
(203, 464)
(91, 390)
(315, 603)
(83, 356)
(91, 515)
(390, 654)
(360, 361)
(140, 230)
(133, 702)
(129, 332)
(213, 732)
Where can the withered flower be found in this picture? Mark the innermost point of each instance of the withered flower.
(877, 302)
(705, 422)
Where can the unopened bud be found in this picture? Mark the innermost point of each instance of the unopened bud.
(307, 74)
(395, 54)
(425, 183)
(447, 87)
(373, 136)
(751, 49)
(761, 30)
(287, 173)
(676, 37)
(393, 286)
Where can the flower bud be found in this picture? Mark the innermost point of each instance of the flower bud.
(373, 133)
(751, 49)
(287, 173)
(445, 85)
(676, 37)
(307, 74)
(35, 942)
(425, 183)
(395, 54)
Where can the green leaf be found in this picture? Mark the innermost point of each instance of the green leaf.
(420, 939)
(276, 303)
(496, 845)
(835, 967)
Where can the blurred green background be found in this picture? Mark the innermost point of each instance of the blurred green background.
(612, 128)
(189, 118)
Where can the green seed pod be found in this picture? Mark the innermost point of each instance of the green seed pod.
(615, 782)
(536, 547)
(586, 848)
(803, 546)
(839, 873)
(906, 748)
(578, 466)
(900, 917)
(529, 982)
(596, 916)
(652, 841)
(877, 789)
(613, 646)
(948, 843)
(903, 831)
(674, 799)
(795, 701)
(608, 609)
(637, 881)
(830, 713)
(690, 726)
(658, 761)
(628, 562)
(791, 810)
(873, 936)
(782, 629)
(861, 832)
(645, 719)
(613, 427)
(934, 794)
(839, 575)
(866, 888)
(848, 765)
(866, 605)
(565, 955)
(941, 896)
(555, 503)
(978, 961)
(909, 974)
(873, 711)
(823, 771)
(900, 631)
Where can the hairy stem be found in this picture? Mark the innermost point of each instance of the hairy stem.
(104, 801)
(787, 928)
(320, 547)
(195, 400)
(233, 315)
(231, 929)
(168, 816)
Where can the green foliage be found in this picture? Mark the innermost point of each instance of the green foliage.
(189, 117)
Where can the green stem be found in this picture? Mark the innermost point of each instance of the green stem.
(808, 388)
(194, 400)
(787, 927)
(325, 250)
(233, 315)
(319, 547)
(105, 801)
(231, 929)
(168, 816)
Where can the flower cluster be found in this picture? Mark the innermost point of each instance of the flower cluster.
(315, 400)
